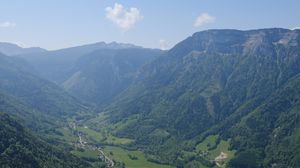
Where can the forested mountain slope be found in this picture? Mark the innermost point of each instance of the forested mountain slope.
(210, 81)
(17, 80)
(269, 135)
(20, 149)
(101, 75)
(56, 65)
(24, 114)
(229, 91)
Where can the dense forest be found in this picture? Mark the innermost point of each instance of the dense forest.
(19, 148)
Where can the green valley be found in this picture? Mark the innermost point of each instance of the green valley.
(221, 98)
(112, 146)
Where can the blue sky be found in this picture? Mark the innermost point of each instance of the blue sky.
(54, 24)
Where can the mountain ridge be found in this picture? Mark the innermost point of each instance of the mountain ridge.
(201, 82)
(11, 49)
(55, 65)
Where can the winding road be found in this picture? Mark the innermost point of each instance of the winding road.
(84, 144)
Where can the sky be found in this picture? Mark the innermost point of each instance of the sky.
(55, 24)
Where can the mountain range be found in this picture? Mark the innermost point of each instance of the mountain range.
(220, 98)
(216, 82)
(13, 49)
(55, 65)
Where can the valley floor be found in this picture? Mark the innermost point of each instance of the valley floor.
(101, 146)
(95, 147)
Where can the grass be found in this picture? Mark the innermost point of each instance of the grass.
(91, 134)
(86, 153)
(222, 146)
(90, 156)
(209, 141)
(131, 159)
(98, 121)
(104, 137)
(66, 136)
(123, 124)
(122, 155)
(117, 141)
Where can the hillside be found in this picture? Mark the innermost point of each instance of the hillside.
(101, 75)
(94, 73)
(20, 149)
(41, 95)
(212, 80)
(220, 98)
(270, 133)
(30, 118)
(57, 65)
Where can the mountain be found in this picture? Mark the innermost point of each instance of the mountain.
(20, 149)
(41, 107)
(16, 80)
(269, 135)
(228, 83)
(56, 65)
(220, 98)
(13, 49)
(101, 75)
(30, 118)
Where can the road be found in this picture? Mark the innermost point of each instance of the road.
(84, 144)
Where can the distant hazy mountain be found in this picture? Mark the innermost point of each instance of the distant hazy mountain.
(16, 80)
(101, 75)
(240, 85)
(13, 49)
(56, 65)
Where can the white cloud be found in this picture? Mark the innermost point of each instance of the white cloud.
(163, 44)
(123, 18)
(203, 19)
(7, 24)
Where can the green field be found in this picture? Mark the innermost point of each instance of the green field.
(131, 159)
(210, 148)
(125, 156)
(208, 142)
(86, 153)
(112, 140)
(213, 148)
(91, 134)
(103, 137)
(65, 135)
(90, 156)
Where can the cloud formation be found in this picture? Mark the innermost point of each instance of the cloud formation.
(7, 24)
(123, 18)
(203, 19)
